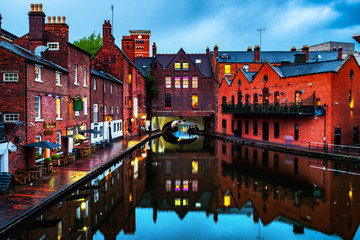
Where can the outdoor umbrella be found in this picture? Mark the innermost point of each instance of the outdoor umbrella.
(79, 136)
(43, 144)
(91, 131)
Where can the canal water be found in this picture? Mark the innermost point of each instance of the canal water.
(208, 189)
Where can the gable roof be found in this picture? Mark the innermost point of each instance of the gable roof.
(143, 65)
(22, 52)
(308, 68)
(274, 56)
(105, 75)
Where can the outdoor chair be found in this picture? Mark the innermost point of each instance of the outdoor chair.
(6, 182)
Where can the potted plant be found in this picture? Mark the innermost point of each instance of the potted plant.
(56, 157)
(39, 155)
(59, 150)
(47, 160)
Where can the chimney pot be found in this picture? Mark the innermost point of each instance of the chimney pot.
(216, 51)
(63, 19)
(32, 7)
(305, 50)
(49, 19)
(334, 49)
(154, 49)
(207, 50)
(40, 7)
(249, 49)
(59, 19)
(293, 49)
(340, 53)
(257, 53)
(36, 7)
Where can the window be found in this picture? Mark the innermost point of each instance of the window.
(129, 77)
(95, 111)
(297, 98)
(223, 124)
(104, 87)
(38, 139)
(58, 78)
(177, 202)
(239, 96)
(185, 185)
(111, 89)
(177, 66)
(168, 185)
(38, 73)
(265, 79)
(84, 77)
(76, 75)
(58, 138)
(11, 77)
(94, 84)
(195, 83)
(197, 60)
(246, 127)
(105, 110)
(276, 98)
(185, 82)
(167, 100)
(227, 69)
(185, 202)
(85, 106)
(255, 130)
(112, 110)
(276, 130)
(117, 90)
(232, 125)
(247, 99)
(194, 101)
(117, 109)
(101, 131)
(177, 185)
(255, 98)
(95, 128)
(223, 100)
(195, 167)
(58, 108)
(185, 66)
(167, 82)
(296, 132)
(195, 185)
(53, 46)
(246, 67)
(37, 108)
(11, 117)
(177, 82)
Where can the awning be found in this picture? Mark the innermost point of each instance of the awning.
(91, 131)
(43, 144)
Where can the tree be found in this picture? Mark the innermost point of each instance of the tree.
(151, 91)
(90, 44)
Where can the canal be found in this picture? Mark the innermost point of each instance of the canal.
(208, 189)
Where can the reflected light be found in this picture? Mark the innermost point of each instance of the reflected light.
(227, 201)
(350, 193)
(85, 228)
(130, 197)
(83, 205)
(143, 155)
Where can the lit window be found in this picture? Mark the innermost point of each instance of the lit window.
(246, 67)
(177, 82)
(177, 202)
(177, 185)
(185, 66)
(185, 202)
(227, 69)
(195, 167)
(197, 60)
(177, 66)
(53, 46)
(168, 82)
(227, 200)
(84, 77)
(11, 117)
(185, 185)
(76, 75)
(195, 82)
(168, 185)
(194, 101)
(195, 185)
(129, 78)
(185, 82)
(37, 107)
(38, 74)
(58, 78)
(58, 108)
(11, 77)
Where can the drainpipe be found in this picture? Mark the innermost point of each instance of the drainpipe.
(26, 111)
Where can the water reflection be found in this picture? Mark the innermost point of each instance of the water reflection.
(209, 188)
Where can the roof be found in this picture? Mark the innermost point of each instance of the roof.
(309, 68)
(8, 35)
(165, 59)
(105, 75)
(274, 56)
(22, 52)
(356, 37)
(143, 65)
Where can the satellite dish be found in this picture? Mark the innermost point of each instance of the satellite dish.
(319, 110)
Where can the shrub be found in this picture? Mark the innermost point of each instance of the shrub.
(55, 156)
(47, 160)
(59, 150)
(39, 155)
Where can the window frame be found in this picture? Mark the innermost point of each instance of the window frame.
(185, 82)
(177, 66)
(53, 43)
(195, 82)
(167, 82)
(76, 82)
(84, 77)
(38, 112)
(11, 73)
(58, 80)
(227, 69)
(38, 75)
(11, 116)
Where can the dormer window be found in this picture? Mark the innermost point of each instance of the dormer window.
(224, 56)
(197, 60)
(53, 46)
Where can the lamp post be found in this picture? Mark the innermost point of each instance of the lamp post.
(325, 107)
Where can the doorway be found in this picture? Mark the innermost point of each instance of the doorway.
(265, 131)
(337, 137)
(355, 135)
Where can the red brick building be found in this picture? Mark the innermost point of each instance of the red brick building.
(106, 103)
(142, 42)
(120, 64)
(278, 103)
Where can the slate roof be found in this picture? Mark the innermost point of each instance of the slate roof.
(309, 68)
(8, 35)
(143, 65)
(164, 59)
(30, 56)
(105, 75)
(274, 56)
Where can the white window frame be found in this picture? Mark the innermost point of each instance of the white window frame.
(38, 115)
(84, 77)
(53, 43)
(197, 60)
(117, 109)
(76, 75)
(38, 150)
(38, 79)
(58, 138)
(11, 117)
(246, 67)
(14, 75)
(193, 85)
(58, 80)
(111, 89)
(104, 87)
(85, 106)
(112, 109)
(105, 110)
(96, 113)
(94, 84)
(58, 109)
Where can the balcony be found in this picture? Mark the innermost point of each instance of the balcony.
(269, 108)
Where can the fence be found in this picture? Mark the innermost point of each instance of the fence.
(333, 148)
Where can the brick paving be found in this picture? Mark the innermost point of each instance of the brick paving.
(27, 196)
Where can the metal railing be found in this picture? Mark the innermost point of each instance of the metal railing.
(269, 108)
(333, 148)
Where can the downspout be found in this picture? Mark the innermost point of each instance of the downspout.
(26, 110)
(104, 112)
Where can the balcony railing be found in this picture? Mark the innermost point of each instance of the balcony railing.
(269, 108)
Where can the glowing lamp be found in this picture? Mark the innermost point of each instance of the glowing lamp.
(83, 205)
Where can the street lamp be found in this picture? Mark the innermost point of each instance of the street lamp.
(325, 107)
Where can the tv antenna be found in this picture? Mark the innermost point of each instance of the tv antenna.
(112, 18)
(260, 30)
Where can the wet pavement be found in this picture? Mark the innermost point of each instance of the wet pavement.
(26, 197)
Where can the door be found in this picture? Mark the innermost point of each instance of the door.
(239, 128)
(70, 144)
(265, 131)
(337, 137)
(356, 135)
(265, 96)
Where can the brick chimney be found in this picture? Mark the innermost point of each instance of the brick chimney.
(340, 53)
(59, 27)
(107, 34)
(334, 49)
(293, 49)
(249, 49)
(216, 51)
(257, 53)
(154, 49)
(305, 50)
(207, 50)
(36, 23)
(128, 46)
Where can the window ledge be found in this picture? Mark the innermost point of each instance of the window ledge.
(85, 141)
(59, 85)
(37, 80)
(77, 144)
(59, 119)
(39, 120)
(228, 74)
(85, 86)
(76, 84)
